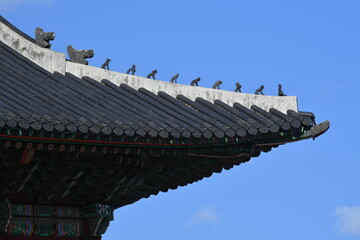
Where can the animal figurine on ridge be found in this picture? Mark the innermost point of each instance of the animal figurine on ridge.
(217, 85)
(259, 90)
(43, 38)
(78, 56)
(131, 70)
(106, 64)
(238, 87)
(195, 82)
(280, 91)
(174, 78)
(152, 74)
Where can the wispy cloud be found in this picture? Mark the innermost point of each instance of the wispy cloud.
(329, 88)
(7, 5)
(349, 219)
(205, 215)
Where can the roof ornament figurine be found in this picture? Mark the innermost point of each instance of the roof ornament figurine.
(174, 78)
(42, 38)
(195, 82)
(217, 85)
(78, 56)
(319, 129)
(106, 64)
(131, 70)
(152, 74)
(238, 87)
(259, 90)
(280, 91)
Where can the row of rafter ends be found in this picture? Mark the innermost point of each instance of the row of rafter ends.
(209, 151)
(125, 188)
(82, 125)
(48, 123)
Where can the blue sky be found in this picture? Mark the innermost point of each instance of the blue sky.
(304, 190)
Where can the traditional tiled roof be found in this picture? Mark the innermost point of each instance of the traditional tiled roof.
(129, 141)
(32, 97)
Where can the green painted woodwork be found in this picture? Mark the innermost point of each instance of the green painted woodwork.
(21, 227)
(53, 221)
(41, 227)
(22, 210)
(96, 210)
(44, 229)
(68, 229)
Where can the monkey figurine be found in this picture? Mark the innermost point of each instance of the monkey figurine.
(152, 74)
(106, 64)
(217, 85)
(238, 87)
(195, 82)
(132, 70)
(259, 90)
(280, 91)
(174, 78)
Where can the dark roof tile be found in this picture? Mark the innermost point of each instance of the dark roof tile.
(32, 97)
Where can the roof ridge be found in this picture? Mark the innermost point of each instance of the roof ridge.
(51, 61)
(15, 29)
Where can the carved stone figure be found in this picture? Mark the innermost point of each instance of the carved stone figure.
(78, 56)
(131, 70)
(174, 78)
(238, 87)
(195, 82)
(217, 85)
(319, 129)
(106, 64)
(280, 91)
(259, 90)
(152, 74)
(43, 38)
